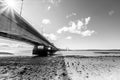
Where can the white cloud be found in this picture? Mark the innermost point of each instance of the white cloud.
(49, 7)
(87, 20)
(70, 15)
(50, 36)
(87, 32)
(69, 37)
(46, 21)
(64, 29)
(111, 12)
(78, 28)
(54, 1)
(80, 24)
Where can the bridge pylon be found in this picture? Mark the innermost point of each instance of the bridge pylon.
(42, 50)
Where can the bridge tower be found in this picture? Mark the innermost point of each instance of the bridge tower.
(42, 50)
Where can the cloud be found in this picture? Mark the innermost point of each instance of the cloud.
(87, 33)
(78, 28)
(49, 7)
(64, 29)
(87, 20)
(111, 12)
(70, 15)
(46, 21)
(52, 2)
(69, 37)
(50, 36)
(55, 2)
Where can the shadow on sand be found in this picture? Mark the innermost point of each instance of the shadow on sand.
(6, 53)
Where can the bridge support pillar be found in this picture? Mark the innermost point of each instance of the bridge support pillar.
(42, 50)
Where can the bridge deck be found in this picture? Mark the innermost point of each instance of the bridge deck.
(13, 26)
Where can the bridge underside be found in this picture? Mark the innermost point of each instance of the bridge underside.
(13, 26)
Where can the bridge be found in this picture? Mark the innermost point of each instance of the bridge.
(14, 26)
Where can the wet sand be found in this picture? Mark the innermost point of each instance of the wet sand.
(93, 68)
(60, 68)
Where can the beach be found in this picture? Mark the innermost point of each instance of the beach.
(59, 67)
(93, 68)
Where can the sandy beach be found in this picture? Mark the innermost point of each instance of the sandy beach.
(93, 68)
(60, 68)
(32, 68)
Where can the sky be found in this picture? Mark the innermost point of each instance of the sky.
(74, 24)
